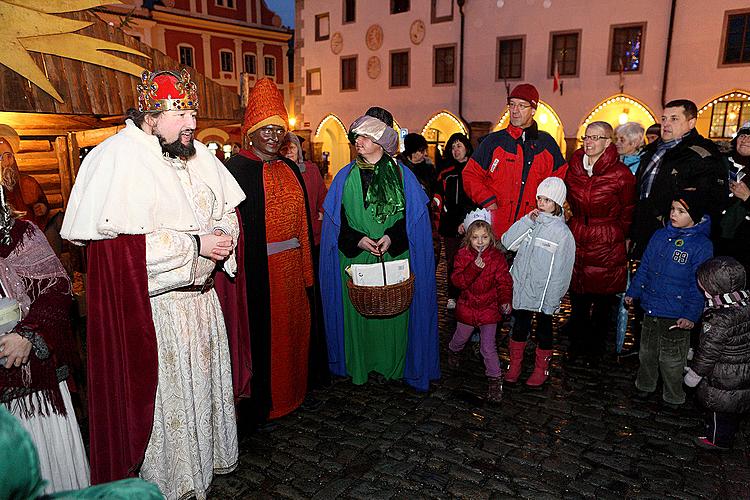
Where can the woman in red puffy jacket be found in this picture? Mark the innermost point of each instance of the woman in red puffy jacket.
(480, 272)
(601, 195)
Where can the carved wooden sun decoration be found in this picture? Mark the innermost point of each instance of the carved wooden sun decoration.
(29, 25)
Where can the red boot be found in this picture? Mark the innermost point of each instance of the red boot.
(516, 360)
(541, 368)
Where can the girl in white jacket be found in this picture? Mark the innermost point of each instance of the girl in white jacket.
(542, 268)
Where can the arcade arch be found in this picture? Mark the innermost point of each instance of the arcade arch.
(616, 110)
(331, 133)
(720, 117)
(438, 130)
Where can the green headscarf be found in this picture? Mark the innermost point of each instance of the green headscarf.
(385, 194)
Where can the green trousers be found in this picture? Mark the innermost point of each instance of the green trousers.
(663, 351)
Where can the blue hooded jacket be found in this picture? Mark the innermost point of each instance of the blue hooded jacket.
(666, 280)
(423, 347)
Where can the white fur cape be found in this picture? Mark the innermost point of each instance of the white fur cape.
(126, 186)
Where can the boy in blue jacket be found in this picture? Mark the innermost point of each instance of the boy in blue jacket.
(667, 287)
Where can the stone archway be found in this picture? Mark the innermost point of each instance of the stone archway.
(335, 152)
(438, 130)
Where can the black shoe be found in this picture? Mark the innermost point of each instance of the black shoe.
(671, 406)
(311, 403)
(640, 395)
(628, 353)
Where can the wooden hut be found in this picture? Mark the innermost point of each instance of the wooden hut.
(95, 101)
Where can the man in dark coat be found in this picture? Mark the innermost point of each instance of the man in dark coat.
(680, 159)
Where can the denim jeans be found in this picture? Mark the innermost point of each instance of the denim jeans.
(663, 351)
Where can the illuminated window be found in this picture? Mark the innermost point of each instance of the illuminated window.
(626, 48)
(726, 116)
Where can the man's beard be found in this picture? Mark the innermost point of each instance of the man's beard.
(177, 149)
(10, 177)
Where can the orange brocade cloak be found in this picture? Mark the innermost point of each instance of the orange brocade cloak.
(290, 272)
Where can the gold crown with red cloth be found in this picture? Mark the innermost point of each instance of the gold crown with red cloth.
(166, 91)
(265, 106)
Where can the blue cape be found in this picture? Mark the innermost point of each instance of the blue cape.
(423, 345)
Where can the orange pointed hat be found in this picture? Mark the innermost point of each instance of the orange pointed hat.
(265, 106)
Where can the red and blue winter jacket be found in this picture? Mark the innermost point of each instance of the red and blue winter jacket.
(507, 168)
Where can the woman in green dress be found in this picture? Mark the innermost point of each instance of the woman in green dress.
(376, 207)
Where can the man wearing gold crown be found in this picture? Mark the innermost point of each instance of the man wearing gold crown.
(277, 254)
(157, 212)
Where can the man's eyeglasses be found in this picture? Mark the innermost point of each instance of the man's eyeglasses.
(268, 132)
(594, 137)
(520, 106)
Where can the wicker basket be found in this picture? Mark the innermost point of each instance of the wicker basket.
(381, 301)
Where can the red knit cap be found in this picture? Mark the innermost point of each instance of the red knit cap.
(527, 92)
(265, 106)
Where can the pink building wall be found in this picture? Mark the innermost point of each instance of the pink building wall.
(694, 70)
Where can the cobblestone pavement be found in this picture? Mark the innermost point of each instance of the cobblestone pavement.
(582, 435)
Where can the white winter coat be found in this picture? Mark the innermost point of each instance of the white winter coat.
(545, 253)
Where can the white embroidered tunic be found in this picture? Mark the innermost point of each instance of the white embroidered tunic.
(194, 433)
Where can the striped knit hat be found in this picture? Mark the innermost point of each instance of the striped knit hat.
(265, 106)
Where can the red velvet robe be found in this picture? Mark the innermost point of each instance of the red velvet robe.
(122, 355)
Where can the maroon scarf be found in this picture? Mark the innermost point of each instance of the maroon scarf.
(44, 288)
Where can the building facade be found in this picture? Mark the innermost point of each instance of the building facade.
(221, 39)
(616, 62)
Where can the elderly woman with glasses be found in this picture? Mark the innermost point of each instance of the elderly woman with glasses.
(628, 141)
(601, 194)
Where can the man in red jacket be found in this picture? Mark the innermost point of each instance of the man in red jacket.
(507, 167)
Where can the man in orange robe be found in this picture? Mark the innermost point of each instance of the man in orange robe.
(277, 260)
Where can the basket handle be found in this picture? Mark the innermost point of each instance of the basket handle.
(382, 263)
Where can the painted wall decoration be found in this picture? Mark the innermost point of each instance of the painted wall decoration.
(417, 32)
(374, 37)
(32, 26)
(337, 43)
(373, 67)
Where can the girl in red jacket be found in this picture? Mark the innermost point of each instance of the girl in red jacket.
(480, 272)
